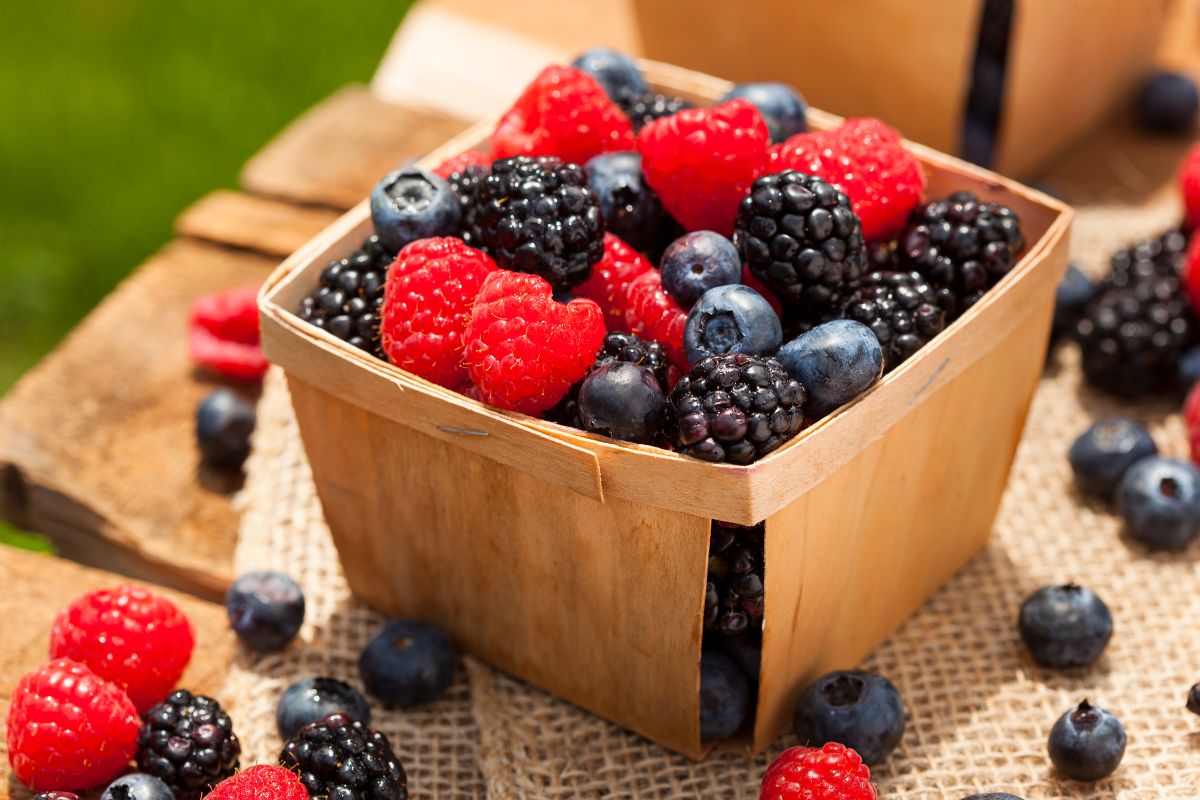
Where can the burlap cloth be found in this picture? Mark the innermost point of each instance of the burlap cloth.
(979, 710)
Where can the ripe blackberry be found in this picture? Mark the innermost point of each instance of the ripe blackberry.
(901, 309)
(617, 347)
(962, 245)
(350, 293)
(338, 758)
(1132, 336)
(734, 407)
(463, 183)
(188, 742)
(799, 236)
(733, 599)
(643, 109)
(537, 214)
(1164, 254)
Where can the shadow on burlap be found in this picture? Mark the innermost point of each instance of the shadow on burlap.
(979, 709)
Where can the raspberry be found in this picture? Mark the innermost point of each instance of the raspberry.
(651, 313)
(1191, 417)
(260, 782)
(701, 161)
(128, 635)
(523, 349)
(461, 162)
(1189, 186)
(431, 287)
(223, 334)
(866, 160)
(832, 772)
(69, 729)
(620, 265)
(564, 112)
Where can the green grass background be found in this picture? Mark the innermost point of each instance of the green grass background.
(119, 113)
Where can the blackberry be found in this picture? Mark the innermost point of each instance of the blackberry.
(734, 407)
(901, 309)
(349, 296)
(1132, 336)
(463, 183)
(188, 742)
(962, 245)
(617, 347)
(643, 109)
(537, 214)
(338, 758)
(799, 236)
(733, 598)
(1164, 255)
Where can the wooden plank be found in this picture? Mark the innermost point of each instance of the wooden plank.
(336, 152)
(97, 448)
(37, 587)
(262, 224)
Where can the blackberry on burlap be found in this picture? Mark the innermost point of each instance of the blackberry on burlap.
(962, 245)
(349, 296)
(537, 215)
(338, 758)
(799, 235)
(902, 310)
(1139, 323)
(735, 408)
(188, 742)
(733, 599)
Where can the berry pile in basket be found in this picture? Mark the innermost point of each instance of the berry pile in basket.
(704, 279)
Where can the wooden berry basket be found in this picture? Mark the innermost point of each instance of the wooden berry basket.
(579, 563)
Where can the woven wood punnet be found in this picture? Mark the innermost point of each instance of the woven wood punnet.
(579, 564)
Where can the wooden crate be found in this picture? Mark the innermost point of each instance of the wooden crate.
(579, 563)
(1070, 63)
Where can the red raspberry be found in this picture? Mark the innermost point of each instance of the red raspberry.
(260, 782)
(69, 729)
(431, 287)
(620, 265)
(223, 334)
(1191, 418)
(458, 163)
(701, 162)
(832, 772)
(563, 113)
(866, 160)
(651, 313)
(128, 635)
(524, 350)
(1189, 186)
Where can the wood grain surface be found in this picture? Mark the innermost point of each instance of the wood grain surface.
(260, 224)
(37, 587)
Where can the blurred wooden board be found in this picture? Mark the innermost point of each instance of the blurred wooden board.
(37, 587)
(97, 448)
(262, 224)
(335, 153)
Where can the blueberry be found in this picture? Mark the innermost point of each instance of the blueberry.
(1189, 369)
(782, 107)
(861, 710)
(1105, 451)
(408, 663)
(1072, 294)
(745, 649)
(836, 362)
(311, 699)
(1167, 103)
(615, 72)
(1159, 499)
(224, 422)
(411, 204)
(697, 262)
(1087, 744)
(138, 786)
(631, 209)
(731, 319)
(622, 401)
(1065, 626)
(993, 796)
(266, 610)
(1193, 699)
(725, 696)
